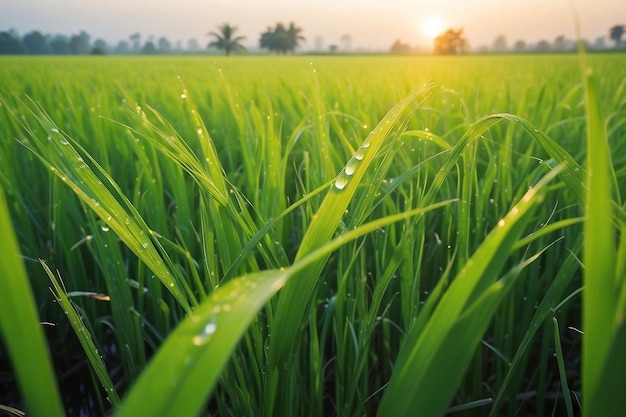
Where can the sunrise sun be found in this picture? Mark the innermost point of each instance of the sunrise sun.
(432, 26)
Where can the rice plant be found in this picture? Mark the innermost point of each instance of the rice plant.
(314, 236)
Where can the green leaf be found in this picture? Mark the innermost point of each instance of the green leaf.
(187, 366)
(433, 359)
(604, 340)
(84, 337)
(21, 330)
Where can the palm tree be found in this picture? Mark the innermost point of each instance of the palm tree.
(225, 39)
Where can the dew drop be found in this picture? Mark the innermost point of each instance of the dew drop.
(105, 228)
(199, 131)
(366, 144)
(144, 245)
(206, 333)
(341, 181)
(359, 154)
(350, 167)
(64, 142)
(54, 130)
(501, 222)
(183, 96)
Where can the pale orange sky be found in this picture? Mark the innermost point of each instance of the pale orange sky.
(371, 24)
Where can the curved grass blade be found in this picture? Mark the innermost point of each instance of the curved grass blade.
(209, 176)
(20, 328)
(551, 299)
(419, 383)
(188, 365)
(84, 337)
(571, 172)
(61, 156)
(295, 298)
(604, 340)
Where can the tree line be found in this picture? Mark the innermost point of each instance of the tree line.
(281, 39)
(453, 42)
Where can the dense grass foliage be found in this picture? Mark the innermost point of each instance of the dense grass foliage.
(315, 236)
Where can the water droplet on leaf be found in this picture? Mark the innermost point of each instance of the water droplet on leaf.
(341, 181)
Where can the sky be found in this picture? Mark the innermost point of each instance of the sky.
(372, 25)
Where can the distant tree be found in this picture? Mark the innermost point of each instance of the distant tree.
(559, 43)
(499, 44)
(346, 40)
(616, 33)
(281, 40)
(226, 40)
(451, 42)
(79, 44)
(165, 46)
(275, 39)
(59, 45)
(333, 49)
(519, 46)
(11, 45)
(543, 46)
(99, 47)
(400, 47)
(135, 40)
(35, 43)
(149, 48)
(294, 36)
(76, 45)
(122, 47)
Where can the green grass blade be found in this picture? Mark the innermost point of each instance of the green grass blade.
(84, 337)
(572, 173)
(412, 389)
(604, 328)
(296, 297)
(551, 298)
(184, 371)
(20, 328)
(61, 156)
(180, 377)
(562, 372)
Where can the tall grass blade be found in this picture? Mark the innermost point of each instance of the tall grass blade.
(562, 372)
(551, 298)
(21, 330)
(186, 368)
(604, 325)
(433, 360)
(84, 337)
(60, 154)
(296, 297)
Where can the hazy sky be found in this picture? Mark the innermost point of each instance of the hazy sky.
(372, 24)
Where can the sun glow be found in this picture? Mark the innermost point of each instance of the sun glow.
(432, 26)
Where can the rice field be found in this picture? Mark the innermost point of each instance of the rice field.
(313, 236)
